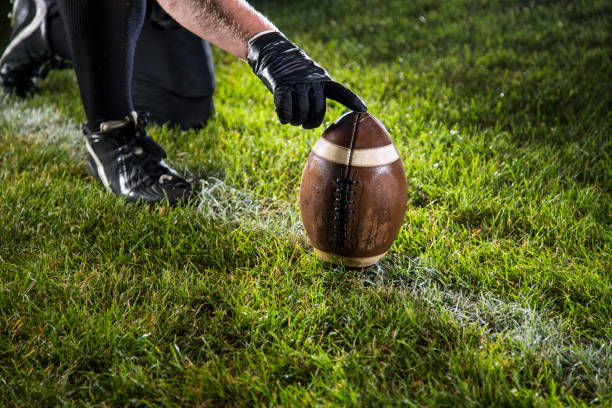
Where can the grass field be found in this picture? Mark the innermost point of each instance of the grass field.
(498, 291)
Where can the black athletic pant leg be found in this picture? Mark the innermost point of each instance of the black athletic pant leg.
(103, 35)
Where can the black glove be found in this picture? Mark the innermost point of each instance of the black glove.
(299, 84)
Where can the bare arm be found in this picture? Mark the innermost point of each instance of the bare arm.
(229, 24)
(300, 86)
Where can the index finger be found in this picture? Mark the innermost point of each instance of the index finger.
(340, 93)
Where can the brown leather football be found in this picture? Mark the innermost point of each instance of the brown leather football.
(353, 192)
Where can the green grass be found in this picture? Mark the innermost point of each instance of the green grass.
(498, 291)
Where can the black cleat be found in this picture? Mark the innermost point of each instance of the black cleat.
(129, 162)
(28, 54)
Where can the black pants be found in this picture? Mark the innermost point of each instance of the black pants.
(173, 77)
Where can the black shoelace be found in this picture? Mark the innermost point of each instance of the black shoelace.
(152, 153)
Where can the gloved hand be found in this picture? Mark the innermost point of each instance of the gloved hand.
(300, 86)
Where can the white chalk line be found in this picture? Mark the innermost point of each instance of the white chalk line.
(539, 333)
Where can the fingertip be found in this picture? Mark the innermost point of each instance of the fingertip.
(360, 106)
(311, 125)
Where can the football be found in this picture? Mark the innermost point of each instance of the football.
(353, 192)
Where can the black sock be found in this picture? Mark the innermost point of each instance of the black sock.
(56, 32)
(102, 36)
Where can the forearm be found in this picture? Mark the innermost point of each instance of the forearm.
(300, 86)
(229, 24)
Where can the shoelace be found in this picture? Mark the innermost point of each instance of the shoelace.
(147, 151)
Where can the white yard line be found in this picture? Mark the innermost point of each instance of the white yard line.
(532, 332)
(41, 124)
(219, 201)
